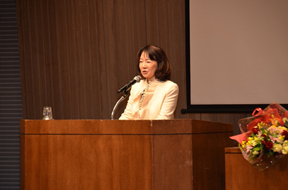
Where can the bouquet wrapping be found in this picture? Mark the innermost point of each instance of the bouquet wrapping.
(264, 136)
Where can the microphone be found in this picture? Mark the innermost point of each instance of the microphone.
(128, 85)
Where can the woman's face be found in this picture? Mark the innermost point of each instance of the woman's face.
(147, 67)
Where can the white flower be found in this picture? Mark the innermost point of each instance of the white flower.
(253, 143)
(277, 147)
(255, 153)
(259, 134)
(285, 151)
(285, 147)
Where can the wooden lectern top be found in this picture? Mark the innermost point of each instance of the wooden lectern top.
(122, 126)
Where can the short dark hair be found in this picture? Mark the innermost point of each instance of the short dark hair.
(155, 53)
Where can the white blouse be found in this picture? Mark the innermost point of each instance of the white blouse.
(153, 100)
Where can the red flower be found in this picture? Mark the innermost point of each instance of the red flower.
(255, 130)
(285, 133)
(269, 145)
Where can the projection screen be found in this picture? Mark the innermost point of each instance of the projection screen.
(237, 54)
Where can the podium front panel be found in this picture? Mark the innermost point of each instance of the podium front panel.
(105, 154)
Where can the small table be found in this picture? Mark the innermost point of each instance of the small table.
(240, 174)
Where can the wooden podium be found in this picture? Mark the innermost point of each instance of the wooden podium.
(124, 155)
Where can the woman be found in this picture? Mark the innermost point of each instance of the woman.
(154, 97)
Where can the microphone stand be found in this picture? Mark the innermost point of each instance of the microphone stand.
(118, 102)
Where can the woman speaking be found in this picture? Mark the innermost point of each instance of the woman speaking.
(154, 97)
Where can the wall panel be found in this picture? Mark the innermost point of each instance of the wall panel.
(76, 54)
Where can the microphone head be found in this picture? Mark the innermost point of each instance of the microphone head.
(137, 78)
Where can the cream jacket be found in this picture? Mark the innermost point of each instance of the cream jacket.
(159, 101)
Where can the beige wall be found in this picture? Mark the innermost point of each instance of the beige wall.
(75, 55)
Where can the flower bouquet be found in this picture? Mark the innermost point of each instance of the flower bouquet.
(264, 138)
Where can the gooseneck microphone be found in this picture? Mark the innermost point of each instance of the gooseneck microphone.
(128, 85)
(125, 88)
